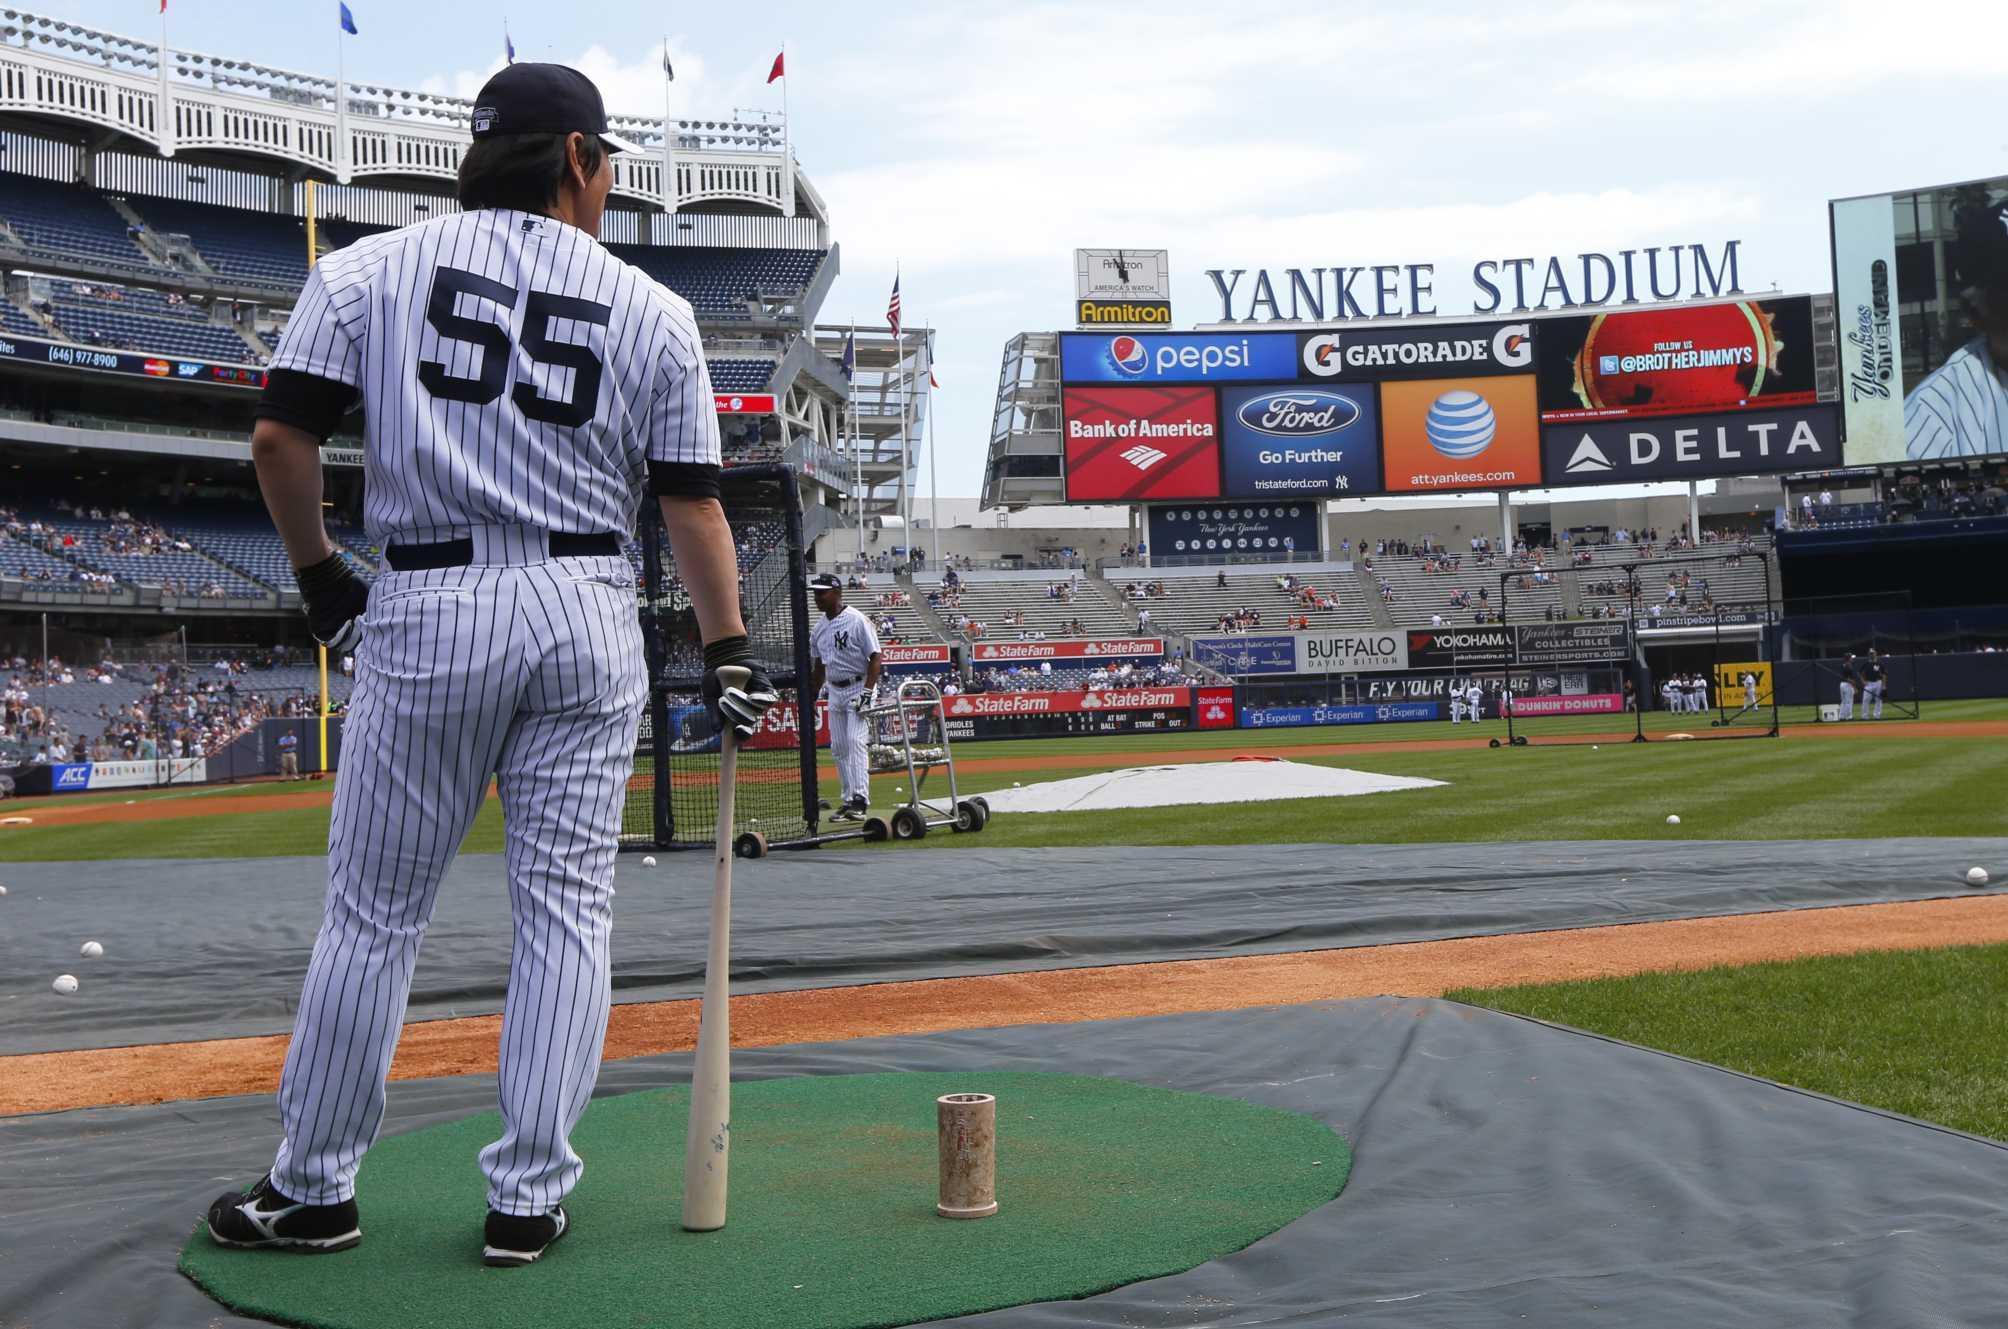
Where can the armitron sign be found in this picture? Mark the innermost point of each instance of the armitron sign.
(1122, 313)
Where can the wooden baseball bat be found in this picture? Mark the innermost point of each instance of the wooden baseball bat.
(707, 1143)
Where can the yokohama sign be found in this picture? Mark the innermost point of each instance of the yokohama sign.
(981, 704)
(1127, 648)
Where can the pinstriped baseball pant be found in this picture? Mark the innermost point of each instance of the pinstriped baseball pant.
(529, 669)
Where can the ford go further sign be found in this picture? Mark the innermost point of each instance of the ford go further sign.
(1306, 441)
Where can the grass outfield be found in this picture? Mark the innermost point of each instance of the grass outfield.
(1758, 789)
(1924, 1033)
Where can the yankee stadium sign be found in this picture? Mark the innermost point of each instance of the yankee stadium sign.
(1408, 290)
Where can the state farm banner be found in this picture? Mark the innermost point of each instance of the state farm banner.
(1600, 703)
(1359, 651)
(1216, 708)
(911, 656)
(979, 705)
(779, 727)
(1098, 648)
(1569, 643)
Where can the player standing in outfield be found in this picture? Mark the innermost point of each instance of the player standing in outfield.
(1456, 702)
(1874, 680)
(1851, 684)
(1749, 682)
(1474, 701)
(522, 389)
(845, 653)
(1960, 409)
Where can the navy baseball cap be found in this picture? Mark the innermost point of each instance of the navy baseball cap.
(823, 581)
(543, 99)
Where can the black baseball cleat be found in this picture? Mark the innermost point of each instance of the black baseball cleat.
(263, 1219)
(513, 1242)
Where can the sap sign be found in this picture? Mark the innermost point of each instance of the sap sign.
(1148, 357)
(1321, 442)
(1242, 529)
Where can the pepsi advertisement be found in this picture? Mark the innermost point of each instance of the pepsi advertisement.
(1294, 717)
(1177, 357)
(1310, 442)
(1247, 654)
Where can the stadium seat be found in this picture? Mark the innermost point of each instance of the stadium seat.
(71, 223)
(718, 281)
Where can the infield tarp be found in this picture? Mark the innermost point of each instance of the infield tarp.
(217, 949)
(1505, 1172)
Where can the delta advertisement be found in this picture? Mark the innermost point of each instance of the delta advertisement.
(1292, 717)
(1683, 447)
(1128, 445)
(1689, 360)
(1246, 528)
(1920, 296)
(1300, 441)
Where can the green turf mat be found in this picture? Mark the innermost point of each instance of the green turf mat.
(1100, 1183)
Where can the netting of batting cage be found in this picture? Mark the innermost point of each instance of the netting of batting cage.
(673, 795)
(1854, 657)
(1614, 643)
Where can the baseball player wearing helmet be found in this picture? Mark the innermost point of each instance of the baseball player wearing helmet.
(1960, 409)
(521, 389)
(846, 656)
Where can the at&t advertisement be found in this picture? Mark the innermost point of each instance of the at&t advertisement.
(1447, 434)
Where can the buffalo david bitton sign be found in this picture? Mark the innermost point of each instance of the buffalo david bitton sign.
(1351, 652)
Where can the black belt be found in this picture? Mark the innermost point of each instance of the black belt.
(842, 682)
(459, 553)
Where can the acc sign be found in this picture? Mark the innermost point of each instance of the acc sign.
(1691, 447)
(1367, 354)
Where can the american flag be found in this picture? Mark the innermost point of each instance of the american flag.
(892, 307)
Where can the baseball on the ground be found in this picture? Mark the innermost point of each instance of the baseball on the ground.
(92, 950)
(65, 983)
(648, 861)
(3, 890)
(1673, 819)
(1976, 876)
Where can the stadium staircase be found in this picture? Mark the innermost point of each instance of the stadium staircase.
(929, 619)
(1370, 592)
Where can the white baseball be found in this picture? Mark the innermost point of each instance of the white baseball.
(648, 860)
(1595, 748)
(1673, 819)
(3, 890)
(92, 950)
(65, 983)
(1976, 876)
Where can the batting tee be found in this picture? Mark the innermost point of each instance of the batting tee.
(673, 795)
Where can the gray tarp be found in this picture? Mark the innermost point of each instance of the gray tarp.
(1506, 1173)
(216, 949)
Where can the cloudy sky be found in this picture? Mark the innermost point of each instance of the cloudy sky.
(975, 147)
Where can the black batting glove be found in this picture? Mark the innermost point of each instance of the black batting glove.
(335, 598)
(739, 705)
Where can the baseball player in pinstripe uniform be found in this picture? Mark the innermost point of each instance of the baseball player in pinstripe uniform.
(1960, 409)
(846, 655)
(522, 389)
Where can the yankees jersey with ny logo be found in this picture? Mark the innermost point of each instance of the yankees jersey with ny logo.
(845, 644)
(511, 370)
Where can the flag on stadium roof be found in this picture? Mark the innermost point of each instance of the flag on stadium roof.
(668, 70)
(932, 381)
(892, 306)
(779, 69)
(508, 46)
(850, 360)
(348, 19)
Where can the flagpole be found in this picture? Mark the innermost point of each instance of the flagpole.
(341, 104)
(669, 185)
(905, 446)
(857, 447)
(164, 131)
(787, 149)
(933, 475)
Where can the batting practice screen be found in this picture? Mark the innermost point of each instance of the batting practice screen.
(673, 795)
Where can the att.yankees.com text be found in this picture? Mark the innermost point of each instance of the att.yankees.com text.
(1454, 478)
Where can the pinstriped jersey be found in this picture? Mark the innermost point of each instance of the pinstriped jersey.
(844, 643)
(1960, 409)
(512, 372)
